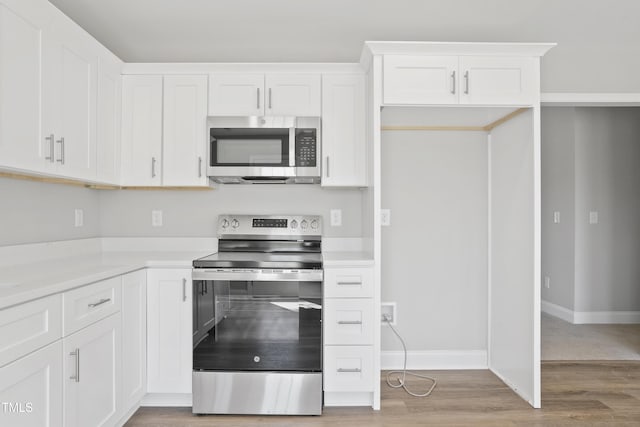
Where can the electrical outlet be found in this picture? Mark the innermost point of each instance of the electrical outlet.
(547, 282)
(156, 218)
(79, 217)
(556, 217)
(388, 310)
(593, 217)
(336, 217)
(385, 217)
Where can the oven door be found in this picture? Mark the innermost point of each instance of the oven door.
(257, 320)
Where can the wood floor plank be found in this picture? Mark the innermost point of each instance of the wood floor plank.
(594, 393)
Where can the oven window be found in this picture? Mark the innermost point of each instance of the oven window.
(262, 326)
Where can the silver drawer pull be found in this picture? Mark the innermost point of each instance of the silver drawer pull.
(345, 370)
(353, 282)
(102, 301)
(349, 322)
(76, 353)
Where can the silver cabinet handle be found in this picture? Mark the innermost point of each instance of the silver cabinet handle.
(184, 289)
(359, 282)
(349, 322)
(61, 142)
(153, 167)
(199, 167)
(102, 301)
(76, 354)
(258, 99)
(466, 82)
(453, 82)
(327, 166)
(342, 370)
(51, 155)
(269, 97)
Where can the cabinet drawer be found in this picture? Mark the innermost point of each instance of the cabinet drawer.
(27, 327)
(348, 282)
(348, 368)
(348, 321)
(88, 304)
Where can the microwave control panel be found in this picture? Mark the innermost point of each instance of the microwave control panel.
(306, 147)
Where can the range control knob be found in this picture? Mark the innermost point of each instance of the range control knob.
(225, 223)
(314, 224)
(294, 224)
(304, 224)
(235, 223)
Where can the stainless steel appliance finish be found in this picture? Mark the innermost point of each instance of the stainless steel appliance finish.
(264, 150)
(257, 393)
(257, 332)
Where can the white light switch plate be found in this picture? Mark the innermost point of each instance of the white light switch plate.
(156, 218)
(556, 217)
(385, 217)
(79, 217)
(593, 217)
(336, 217)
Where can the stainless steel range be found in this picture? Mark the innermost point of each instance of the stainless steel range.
(257, 313)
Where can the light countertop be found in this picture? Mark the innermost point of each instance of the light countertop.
(24, 282)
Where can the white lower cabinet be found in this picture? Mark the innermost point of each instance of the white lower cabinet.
(30, 389)
(348, 368)
(92, 367)
(134, 339)
(169, 334)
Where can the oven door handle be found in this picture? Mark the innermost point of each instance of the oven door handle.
(258, 275)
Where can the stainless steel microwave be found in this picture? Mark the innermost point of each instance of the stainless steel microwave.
(269, 149)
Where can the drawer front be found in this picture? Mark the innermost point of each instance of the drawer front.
(88, 304)
(348, 368)
(27, 327)
(348, 282)
(348, 321)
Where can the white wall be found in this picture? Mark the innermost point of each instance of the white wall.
(435, 251)
(558, 195)
(194, 213)
(593, 267)
(38, 212)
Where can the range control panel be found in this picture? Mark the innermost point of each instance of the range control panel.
(270, 225)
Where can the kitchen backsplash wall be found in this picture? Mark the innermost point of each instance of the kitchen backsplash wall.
(127, 213)
(35, 212)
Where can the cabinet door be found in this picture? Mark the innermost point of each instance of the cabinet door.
(134, 338)
(185, 133)
(30, 389)
(92, 367)
(169, 335)
(109, 109)
(21, 26)
(419, 80)
(236, 94)
(141, 130)
(343, 131)
(497, 80)
(69, 93)
(292, 95)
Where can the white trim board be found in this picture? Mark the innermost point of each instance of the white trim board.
(167, 399)
(565, 99)
(591, 317)
(435, 359)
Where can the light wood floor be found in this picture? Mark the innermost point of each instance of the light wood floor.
(601, 393)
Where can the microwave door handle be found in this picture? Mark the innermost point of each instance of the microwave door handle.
(292, 147)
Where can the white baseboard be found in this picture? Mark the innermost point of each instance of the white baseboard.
(166, 399)
(591, 317)
(348, 398)
(437, 359)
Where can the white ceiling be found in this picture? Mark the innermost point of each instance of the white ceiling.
(334, 30)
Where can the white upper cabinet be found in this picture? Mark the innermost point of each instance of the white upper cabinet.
(108, 121)
(239, 94)
(141, 130)
(21, 26)
(236, 94)
(343, 131)
(292, 95)
(69, 72)
(448, 80)
(184, 133)
(494, 80)
(420, 79)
